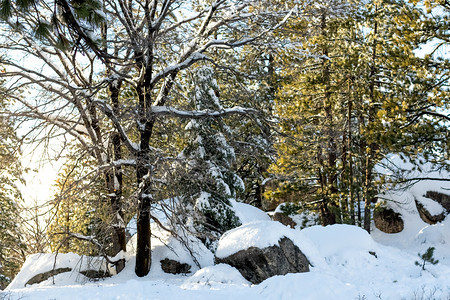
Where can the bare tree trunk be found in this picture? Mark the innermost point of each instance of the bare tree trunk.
(143, 250)
(350, 158)
(143, 175)
(114, 183)
(143, 253)
(330, 174)
(370, 152)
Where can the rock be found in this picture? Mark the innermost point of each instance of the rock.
(387, 220)
(268, 205)
(46, 275)
(95, 274)
(442, 199)
(174, 267)
(426, 216)
(284, 219)
(256, 265)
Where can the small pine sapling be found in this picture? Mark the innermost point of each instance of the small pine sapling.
(427, 257)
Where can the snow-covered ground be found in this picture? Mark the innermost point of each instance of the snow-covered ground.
(347, 263)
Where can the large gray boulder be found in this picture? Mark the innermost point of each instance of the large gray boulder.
(256, 265)
(38, 278)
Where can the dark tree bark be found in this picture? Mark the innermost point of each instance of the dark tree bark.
(114, 183)
(370, 152)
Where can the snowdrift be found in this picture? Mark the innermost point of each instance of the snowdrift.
(347, 262)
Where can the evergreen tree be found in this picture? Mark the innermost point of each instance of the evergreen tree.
(349, 103)
(310, 105)
(80, 208)
(12, 246)
(210, 181)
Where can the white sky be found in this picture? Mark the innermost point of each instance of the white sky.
(43, 171)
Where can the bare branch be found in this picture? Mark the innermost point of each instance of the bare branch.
(199, 114)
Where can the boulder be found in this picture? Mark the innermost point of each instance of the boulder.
(284, 219)
(256, 265)
(174, 267)
(426, 216)
(95, 274)
(268, 205)
(46, 275)
(441, 198)
(387, 220)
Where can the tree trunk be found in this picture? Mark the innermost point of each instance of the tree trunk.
(143, 250)
(330, 165)
(143, 253)
(143, 174)
(350, 161)
(370, 152)
(347, 160)
(114, 180)
(327, 217)
(367, 194)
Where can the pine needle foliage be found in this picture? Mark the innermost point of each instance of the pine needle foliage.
(427, 258)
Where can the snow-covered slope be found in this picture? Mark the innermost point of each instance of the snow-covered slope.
(348, 263)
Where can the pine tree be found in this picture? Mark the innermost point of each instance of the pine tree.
(356, 97)
(12, 246)
(210, 181)
(427, 257)
(310, 105)
(79, 208)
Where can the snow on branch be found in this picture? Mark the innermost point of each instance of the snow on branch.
(180, 66)
(417, 179)
(198, 114)
(94, 241)
(108, 111)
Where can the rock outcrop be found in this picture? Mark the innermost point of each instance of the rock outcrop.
(95, 274)
(387, 220)
(441, 198)
(426, 216)
(256, 265)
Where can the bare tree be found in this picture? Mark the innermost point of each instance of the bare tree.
(130, 69)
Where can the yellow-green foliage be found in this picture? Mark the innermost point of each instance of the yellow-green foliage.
(353, 90)
(80, 207)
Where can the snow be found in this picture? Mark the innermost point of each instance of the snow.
(166, 246)
(346, 262)
(248, 213)
(202, 201)
(432, 206)
(262, 234)
(303, 219)
(44, 262)
(215, 275)
(166, 110)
